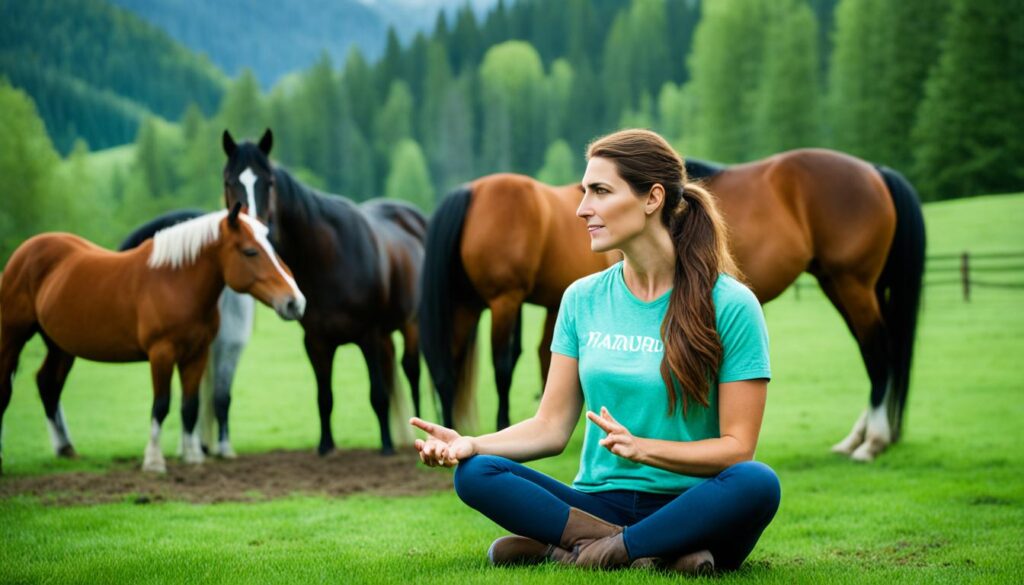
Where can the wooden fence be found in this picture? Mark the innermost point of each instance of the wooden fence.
(966, 269)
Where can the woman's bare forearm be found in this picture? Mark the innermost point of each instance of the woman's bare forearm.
(533, 438)
(704, 458)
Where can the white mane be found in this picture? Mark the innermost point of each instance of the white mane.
(179, 245)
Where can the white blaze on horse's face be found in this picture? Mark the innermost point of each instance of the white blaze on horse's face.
(248, 180)
(260, 233)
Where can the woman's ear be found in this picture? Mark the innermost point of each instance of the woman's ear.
(655, 199)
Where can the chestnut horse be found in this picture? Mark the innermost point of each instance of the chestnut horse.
(157, 302)
(236, 318)
(358, 264)
(505, 239)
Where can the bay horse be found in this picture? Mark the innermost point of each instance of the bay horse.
(236, 319)
(359, 266)
(157, 302)
(505, 239)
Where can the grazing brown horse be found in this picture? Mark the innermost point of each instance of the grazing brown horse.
(157, 302)
(857, 228)
(358, 264)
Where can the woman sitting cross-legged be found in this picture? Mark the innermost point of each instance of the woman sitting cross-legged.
(669, 352)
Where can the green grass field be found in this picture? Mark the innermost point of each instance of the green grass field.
(945, 505)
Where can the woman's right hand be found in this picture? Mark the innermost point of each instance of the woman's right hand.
(443, 446)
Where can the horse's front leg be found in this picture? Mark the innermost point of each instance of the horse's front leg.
(379, 352)
(191, 373)
(161, 367)
(321, 356)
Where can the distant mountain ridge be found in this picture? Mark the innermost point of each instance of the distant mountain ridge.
(283, 36)
(94, 70)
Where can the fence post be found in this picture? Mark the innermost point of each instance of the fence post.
(965, 275)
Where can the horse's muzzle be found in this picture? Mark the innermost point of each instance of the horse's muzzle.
(291, 308)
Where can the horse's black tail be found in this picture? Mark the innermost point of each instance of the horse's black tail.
(443, 284)
(899, 290)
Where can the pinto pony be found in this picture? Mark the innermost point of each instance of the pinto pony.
(157, 302)
(358, 264)
(504, 240)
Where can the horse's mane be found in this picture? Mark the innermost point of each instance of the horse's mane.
(148, 229)
(313, 204)
(697, 170)
(179, 245)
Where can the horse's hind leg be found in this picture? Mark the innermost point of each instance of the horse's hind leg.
(506, 346)
(191, 373)
(226, 357)
(411, 361)
(12, 341)
(50, 379)
(858, 303)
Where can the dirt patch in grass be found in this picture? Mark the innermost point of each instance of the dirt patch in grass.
(251, 477)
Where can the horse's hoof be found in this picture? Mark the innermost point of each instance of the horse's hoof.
(868, 450)
(194, 458)
(67, 452)
(154, 467)
(226, 452)
(843, 448)
(387, 451)
(324, 450)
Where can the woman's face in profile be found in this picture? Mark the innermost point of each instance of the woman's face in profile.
(614, 214)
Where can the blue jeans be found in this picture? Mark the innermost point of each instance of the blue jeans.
(725, 514)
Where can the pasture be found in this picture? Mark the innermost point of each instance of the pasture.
(944, 505)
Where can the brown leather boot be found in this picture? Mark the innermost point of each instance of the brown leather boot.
(580, 529)
(520, 550)
(605, 553)
(593, 542)
(695, 563)
(700, 563)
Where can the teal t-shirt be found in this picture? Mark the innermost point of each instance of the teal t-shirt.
(616, 339)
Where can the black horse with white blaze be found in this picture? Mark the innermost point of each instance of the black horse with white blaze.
(359, 267)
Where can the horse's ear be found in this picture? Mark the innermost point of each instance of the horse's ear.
(233, 215)
(229, 143)
(266, 142)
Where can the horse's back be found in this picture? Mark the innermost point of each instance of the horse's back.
(520, 234)
(76, 291)
(399, 214)
(401, 230)
(803, 209)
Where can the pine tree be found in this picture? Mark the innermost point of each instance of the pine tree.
(725, 66)
(319, 120)
(27, 160)
(968, 131)
(394, 120)
(855, 97)
(409, 179)
(242, 110)
(151, 161)
(512, 77)
(357, 84)
(786, 111)
(559, 165)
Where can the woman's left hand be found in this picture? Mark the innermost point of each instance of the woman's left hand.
(619, 440)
